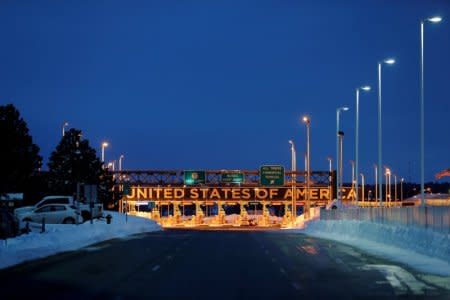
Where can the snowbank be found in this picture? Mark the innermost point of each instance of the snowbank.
(420, 248)
(59, 238)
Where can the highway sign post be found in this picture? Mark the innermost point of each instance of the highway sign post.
(232, 178)
(271, 175)
(194, 177)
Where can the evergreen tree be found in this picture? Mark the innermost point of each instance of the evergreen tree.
(75, 161)
(19, 157)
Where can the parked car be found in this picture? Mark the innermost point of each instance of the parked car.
(84, 209)
(9, 224)
(53, 214)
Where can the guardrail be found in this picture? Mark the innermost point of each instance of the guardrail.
(436, 218)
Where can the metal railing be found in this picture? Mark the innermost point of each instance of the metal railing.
(436, 218)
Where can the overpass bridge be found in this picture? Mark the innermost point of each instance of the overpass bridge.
(207, 195)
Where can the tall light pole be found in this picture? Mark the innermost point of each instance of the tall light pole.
(121, 157)
(401, 188)
(362, 188)
(293, 179)
(330, 160)
(395, 187)
(376, 182)
(388, 184)
(422, 113)
(307, 121)
(353, 175)
(363, 88)
(388, 61)
(104, 145)
(64, 128)
(338, 130)
(341, 139)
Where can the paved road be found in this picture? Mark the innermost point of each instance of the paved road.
(183, 264)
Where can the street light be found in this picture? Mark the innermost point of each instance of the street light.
(395, 187)
(293, 179)
(104, 145)
(401, 188)
(121, 157)
(330, 160)
(307, 121)
(64, 128)
(362, 188)
(365, 88)
(388, 185)
(388, 61)
(435, 19)
(376, 182)
(329, 175)
(340, 138)
(338, 131)
(352, 163)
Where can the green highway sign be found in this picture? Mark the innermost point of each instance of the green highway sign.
(194, 177)
(271, 175)
(232, 178)
(126, 188)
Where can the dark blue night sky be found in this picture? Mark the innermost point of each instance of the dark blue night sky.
(223, 84)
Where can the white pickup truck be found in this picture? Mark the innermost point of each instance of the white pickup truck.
(85, 209)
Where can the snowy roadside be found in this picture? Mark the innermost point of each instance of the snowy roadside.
(60, 238)
(420, 248)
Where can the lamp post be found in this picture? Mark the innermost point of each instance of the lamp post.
(338, 130)
(388, 61)
(353, 175)
(362, 188)
(329, 175)
(376, 183)
(64, 128)
(388, 185)
(363, 88)
(422, 113)
(307, 121)
(104, 145)
(395, 187)
(341, 138)
(121, 157)
(293, 179)
(401, 188)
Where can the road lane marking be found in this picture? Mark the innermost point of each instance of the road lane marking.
(155, 268)
(400, 279)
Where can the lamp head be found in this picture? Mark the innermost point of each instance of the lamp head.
(435, 19)
(105, 144)
(306, 119)
(366, 88)
(291, 142)
(389, 61)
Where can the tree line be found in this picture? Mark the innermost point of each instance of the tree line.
(72, 162)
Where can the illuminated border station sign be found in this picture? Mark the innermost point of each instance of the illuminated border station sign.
(194, 177)
(227, 193)
(271, 175)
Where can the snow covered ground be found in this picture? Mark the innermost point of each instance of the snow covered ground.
(420, 248)
(59, 238)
